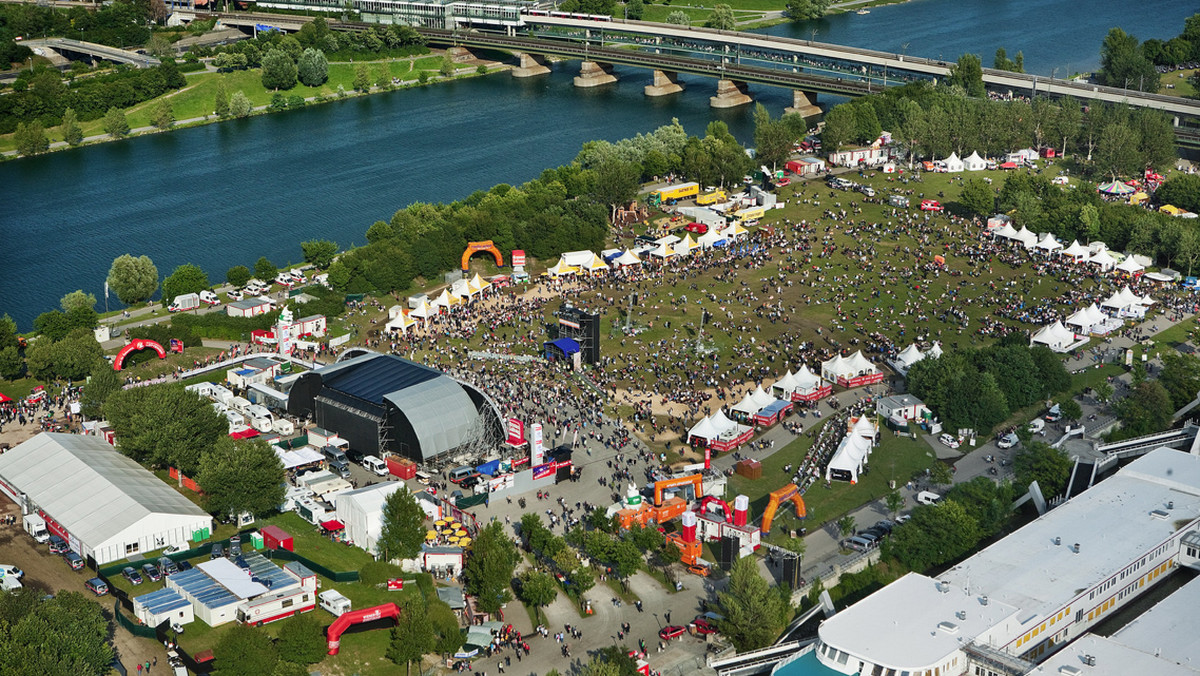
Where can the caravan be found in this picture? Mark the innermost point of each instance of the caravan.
(259, 417)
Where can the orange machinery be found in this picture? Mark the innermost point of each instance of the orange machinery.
(663, 510)
(686, 540)
(778, 497)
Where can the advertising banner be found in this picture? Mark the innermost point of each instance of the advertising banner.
(516, 432)
(543, 471)
(518, 257)
(537, 453)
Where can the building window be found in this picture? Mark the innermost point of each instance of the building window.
(131, 549)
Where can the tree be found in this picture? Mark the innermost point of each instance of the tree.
(1180, 377)
(76, 300)
(772, 140)
(278, 70)
(1000, 61)
(625, 558)
(71, 358)
(302, 639)
(241, 476)
(245, 651)
(448, 636)
(721, 18)
(12, 366)
(968, 74)
(1048, 466)
(537, 589)
(71, 131)
(1123, 64)
(362, 78)
(895, 502)
(221, 100)
(1103, 391)
(753, 613)
(163, 116)
(935, 534)
(239, 105)
(313, 68)
(1070, 409)
(115, 124)
(187, 278)
(940, 474)
(679, 18)
(490, 567)
(803, 10)
(990, 503)
(73, 624)
(238, 275)
(1181, 190)
(1117, 151)
(165, 425)
(31, 138)
(403, 528)
(846, 525)
(133, 279)
(103, 382)
(634, 9)
(615, 183)
(977, 197)
(265, 270)
(412, 636)
(446, 69)
(840, 126)
(1146, 410)
(319, 252)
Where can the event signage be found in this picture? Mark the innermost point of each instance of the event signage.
(395, 584)
(518, 257)
(538, 453)
(516, 432)
(543, 471)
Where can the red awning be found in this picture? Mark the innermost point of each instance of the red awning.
(248, 433)
(4, 399)
(332, 524)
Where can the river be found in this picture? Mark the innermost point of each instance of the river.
(225, 194)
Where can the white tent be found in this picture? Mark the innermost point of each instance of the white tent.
(627, 258)
(852, 453)
(395, 311)
(935, 351)
(847, 367)
(577, 259)
(974, 162)
(786, 384)
(669, 240)
(1049, 244)
(762, 398)
(361, 511)
(710, 239)
(423, 311)
(663, 251)
(1105, 261)
(479, 283)
(400, 322)
(461, 289)
(807, 382)
(562, 269)
(721, 423)
(747, 405)
(1026, 237)
(1130, 266)
(1124, 300)
(702, 430)
(1076, 251)
(907, 357)
(1006, 231)
(445, 300)
(734, 232)
(597, 264)
(1086, 319)
(1055, 336)
(953, 163)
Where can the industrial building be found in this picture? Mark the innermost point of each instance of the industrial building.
(106, 506)
(1020, 600)
(383, 404)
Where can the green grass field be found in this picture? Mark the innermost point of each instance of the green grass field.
(1181, 79)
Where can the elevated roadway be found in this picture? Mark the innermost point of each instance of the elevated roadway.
(997, 79)
(94, 50)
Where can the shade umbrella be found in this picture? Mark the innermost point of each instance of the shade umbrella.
(431, 535)
(453, 539)
(439, 523)
(1116, 188)
(463, 542)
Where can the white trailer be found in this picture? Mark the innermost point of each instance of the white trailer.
(260, 418)
(36, 527)
(334, 602)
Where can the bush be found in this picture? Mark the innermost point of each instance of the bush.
(379, 572)
(222, 326)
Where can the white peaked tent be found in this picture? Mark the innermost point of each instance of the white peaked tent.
(423, 311)
(785, 385)
(1054, 336)
(577, 259)
(1122, 300)
(1049, 244)
(746, 406)
(852, 453)
(1006, 231)
(702, 430)
(1105, 261)
(761, 398)
(847, 367)
(627, 258)
(1086, 319)
(1076, 251)
(461, 288)
(597, 264)
(1130, 266)
(445, 300)
(561, 269)
(909, 356)
(974, 162)
(1147, 300)
(734, 232)
(710, 239)
(400, 322)
(479, 283)
(663, 251)
(807, 382)
(1026, 237)
(935, 351)
(395, 311)
(953, 163)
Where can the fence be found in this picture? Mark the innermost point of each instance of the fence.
(133, 626)
(336, 576)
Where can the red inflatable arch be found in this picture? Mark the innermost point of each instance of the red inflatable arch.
(334, 633)
(137, 344)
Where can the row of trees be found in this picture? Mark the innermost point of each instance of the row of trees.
(978, 388)
(31, 620)
(1180, 49)
(929, 121)
(45, 98)
(117, 24)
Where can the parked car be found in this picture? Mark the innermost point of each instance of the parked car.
(696, 228)
(779, 183)
(928, 498)
(132, 575)
(235, 547)
(218, 551)
(885, 525)
(948, 440)
(671, 631)
(184, 565)
(932, 205)
(236, 294)
(58, 545)
(73, 560)
(867, 190)
(698, 569)
(902, 519)
(151, 572)
(167, 566)
(1007, 441)
(704, 627)
(96, 586)
(1054, 414)
(11, 571)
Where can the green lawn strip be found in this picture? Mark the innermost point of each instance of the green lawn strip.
(1168, 338)
(626, 596)
(1182, 79)
(658, 574)
(659, 13)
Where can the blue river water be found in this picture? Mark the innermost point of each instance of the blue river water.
(225, 194)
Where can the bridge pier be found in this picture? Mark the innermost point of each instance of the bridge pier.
(460, 54)
(730, 94)
(529, 66)
(804, 103)
(665, 82)
(592, 74)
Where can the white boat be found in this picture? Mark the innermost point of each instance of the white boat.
(863, 11)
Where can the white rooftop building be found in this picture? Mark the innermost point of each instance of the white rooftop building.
(105, 505)
(361, 511)
(1021, 599)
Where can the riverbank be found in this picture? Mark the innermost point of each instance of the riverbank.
(193, 102)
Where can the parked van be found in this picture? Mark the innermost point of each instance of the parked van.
(461, 474)
(254, 288)
(898, 201)
(375, 465)
(335, 454)
(340, 468)
(858, 544)
(167, 566)
(58, 545)
(209, 297)
(928, 498)
(259, 417)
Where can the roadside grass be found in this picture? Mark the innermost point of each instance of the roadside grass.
(1182, 79)
(1180, 333)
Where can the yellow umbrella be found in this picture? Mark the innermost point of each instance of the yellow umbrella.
(461, 532)
(431, 535)
(440, 522)
(463, 542)
(453, 539)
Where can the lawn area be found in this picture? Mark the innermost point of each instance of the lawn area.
(896, 458)
(310, 544)
(1180, 333)
(1182, 79)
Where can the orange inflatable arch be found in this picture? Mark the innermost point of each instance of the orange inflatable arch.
(778, 497)
(475, 247)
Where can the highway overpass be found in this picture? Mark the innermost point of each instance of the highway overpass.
(66, 46)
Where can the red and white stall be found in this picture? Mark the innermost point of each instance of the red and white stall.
(853, 371)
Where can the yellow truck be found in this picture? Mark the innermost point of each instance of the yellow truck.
(749, 215)
(711, 197)
(674, 193)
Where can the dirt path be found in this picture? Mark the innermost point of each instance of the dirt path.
(50, 574)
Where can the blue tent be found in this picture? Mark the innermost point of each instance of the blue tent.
(560, 348)
(490, 468)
